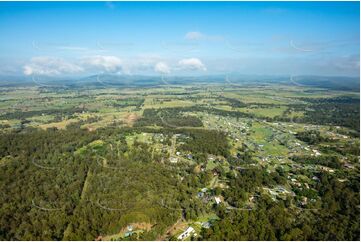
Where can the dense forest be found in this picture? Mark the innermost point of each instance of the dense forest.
(171, 118)
(66, 184)
(60, 187)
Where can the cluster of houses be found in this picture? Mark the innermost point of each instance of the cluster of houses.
(234, 129)
(278, 192)
(207, 196)
(158, 137)
(315, 153)
(173, 159)
(296, 183)
(178, 155)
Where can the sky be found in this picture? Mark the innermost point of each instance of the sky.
(179, 38)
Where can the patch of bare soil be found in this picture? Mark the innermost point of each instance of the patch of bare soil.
(179, 225)
(131, 118)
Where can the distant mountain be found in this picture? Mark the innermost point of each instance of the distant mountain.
(106, 80)
(331, 82)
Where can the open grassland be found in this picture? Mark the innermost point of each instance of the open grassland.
(265, 112)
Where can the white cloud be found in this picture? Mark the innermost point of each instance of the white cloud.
(104, 63)
(44, 65)
(144, 64)
(194, 35)
(140, 64)
(193, 64)
(162, 68)
(51, 66)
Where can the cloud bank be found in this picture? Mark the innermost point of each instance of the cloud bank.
(103, 63)
(52, 66)
(192, 64)
(162, 68)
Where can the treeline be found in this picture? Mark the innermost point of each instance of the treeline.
(311, 137)
(28, 114)
(206, 142)
(338, 100)
(233, 102)
(331, 161)
(167, 118)
(203, 108)
(349, 148)
(127, 102)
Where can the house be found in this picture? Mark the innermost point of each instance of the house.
(127, 234)
(251, 199)
(281, 190)
(315, 178)
(317, 153)
(206, 225)
(211, 158)
(186, 233)
(173, 160)
(204, 189)
(325, 168)
(348, 165)
(303, 201)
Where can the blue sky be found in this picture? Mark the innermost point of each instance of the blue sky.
(179, 38)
